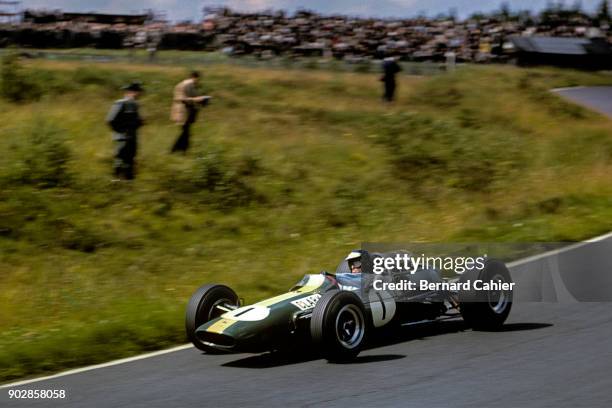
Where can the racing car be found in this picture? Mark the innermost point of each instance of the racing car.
(336, 312)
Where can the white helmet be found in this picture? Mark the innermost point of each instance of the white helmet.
(354, 260)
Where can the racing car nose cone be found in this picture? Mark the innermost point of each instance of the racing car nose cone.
(217, 340)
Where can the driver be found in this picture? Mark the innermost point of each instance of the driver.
(351, 279)
(354, 262)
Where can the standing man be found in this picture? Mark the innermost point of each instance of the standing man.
(185, 107)
(390, 69)
(125, 120)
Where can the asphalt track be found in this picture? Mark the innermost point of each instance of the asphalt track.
(598, 98)
(548, 355)
(552, 354)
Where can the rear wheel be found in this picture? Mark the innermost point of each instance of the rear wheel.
(207, 303)
(486, 309)
(338, 325)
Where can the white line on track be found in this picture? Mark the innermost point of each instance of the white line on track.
(570, 88)
(570, 247)
(97, 366)
(188, 346)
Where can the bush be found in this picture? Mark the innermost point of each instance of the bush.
(44, 157)
(16, 86)
(219, 179)
(74, 237)
(426, 150)
(226, 179)
(343, 206)
(211, 170)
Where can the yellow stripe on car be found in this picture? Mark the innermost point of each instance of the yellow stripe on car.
(314, 282)
(220, 326)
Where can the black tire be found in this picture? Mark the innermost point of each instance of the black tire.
(486, 310)
(202, 308)
(338, 326)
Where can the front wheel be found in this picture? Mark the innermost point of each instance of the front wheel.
(207, 303)
(338, 325)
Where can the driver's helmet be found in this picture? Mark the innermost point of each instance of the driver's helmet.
(354, 261)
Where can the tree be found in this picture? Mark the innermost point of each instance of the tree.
(603, 12)
(504, 12)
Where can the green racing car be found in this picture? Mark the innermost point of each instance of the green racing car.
(337, 312)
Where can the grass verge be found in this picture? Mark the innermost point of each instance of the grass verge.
(288, 172)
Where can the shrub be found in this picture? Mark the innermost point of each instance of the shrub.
(77, 238)
(219, 179)
(44, 157)
(344, 204)
(426, 150)
(211, 170)
(226, 179)
(16, 86)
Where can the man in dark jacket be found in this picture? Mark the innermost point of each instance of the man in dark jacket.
(125, 120)
(390, 69)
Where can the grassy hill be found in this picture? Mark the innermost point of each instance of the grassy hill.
(289, 171)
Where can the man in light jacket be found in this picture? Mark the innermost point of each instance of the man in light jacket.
(185, 105)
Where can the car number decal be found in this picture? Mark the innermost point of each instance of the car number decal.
(382, 306)
(251, 313)
(307, 303)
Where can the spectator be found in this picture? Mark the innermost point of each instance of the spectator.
(124, 119)
(390, 69)
(185, 107)
(479, 38)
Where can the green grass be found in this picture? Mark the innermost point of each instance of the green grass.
(193, 58)
(289, 171)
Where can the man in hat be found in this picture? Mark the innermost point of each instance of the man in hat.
(185, 106)
(390, 69)
(125, 120)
